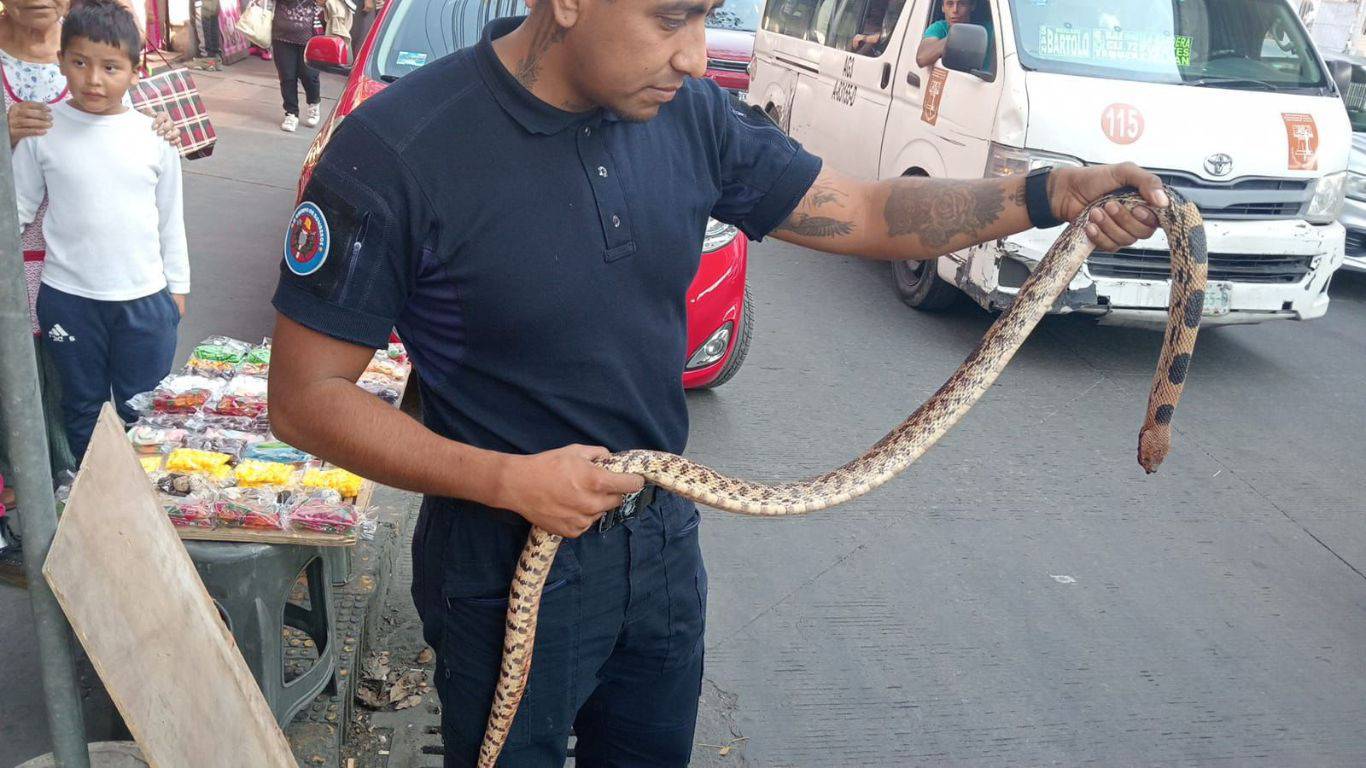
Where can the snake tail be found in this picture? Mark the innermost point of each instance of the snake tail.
(524, 606)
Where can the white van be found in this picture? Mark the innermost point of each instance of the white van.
(1227, 100)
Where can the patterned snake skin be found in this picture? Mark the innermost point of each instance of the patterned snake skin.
(901, 447)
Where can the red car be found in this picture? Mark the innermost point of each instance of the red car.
(408, 34)
(730, 44)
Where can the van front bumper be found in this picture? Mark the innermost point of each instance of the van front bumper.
(1271, 270)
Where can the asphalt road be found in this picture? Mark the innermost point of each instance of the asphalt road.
(1024, 594)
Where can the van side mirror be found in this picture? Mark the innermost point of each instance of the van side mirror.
(328, 53)
(966, 48)
(1341, 72)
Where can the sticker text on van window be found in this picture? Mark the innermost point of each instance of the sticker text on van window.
(1183, 50)
(1106, 45)
(411, 58)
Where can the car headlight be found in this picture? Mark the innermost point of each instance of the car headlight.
(1327, 201)
(1356, 186)
(712, 350)
(718, 236)
(1012, 161)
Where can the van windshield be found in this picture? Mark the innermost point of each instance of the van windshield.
(736, 14)
(1239, 44)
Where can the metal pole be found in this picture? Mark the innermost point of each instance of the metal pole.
(21, 409)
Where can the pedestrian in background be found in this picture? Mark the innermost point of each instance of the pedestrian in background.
(290, 32)
(117, 271)
(30, 36)
(213, 37)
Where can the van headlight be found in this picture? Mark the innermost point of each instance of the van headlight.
(1356, 186)
(718, 236)
(1326, 204)
(1012, 161)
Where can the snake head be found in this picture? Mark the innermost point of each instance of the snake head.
(1153, 444)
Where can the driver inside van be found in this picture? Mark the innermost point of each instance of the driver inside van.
(877, 27)
(936, 37)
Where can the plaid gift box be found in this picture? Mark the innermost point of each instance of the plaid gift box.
(175, 93)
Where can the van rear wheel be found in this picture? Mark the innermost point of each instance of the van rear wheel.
(919, 285)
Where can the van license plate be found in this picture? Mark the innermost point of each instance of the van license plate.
(1217, 298)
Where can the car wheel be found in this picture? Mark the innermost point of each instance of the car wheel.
(920, 286)
(737, 354)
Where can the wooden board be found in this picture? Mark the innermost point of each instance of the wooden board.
(137, 604)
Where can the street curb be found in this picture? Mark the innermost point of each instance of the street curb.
(318, 732)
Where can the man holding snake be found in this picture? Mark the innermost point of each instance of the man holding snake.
(528, 214)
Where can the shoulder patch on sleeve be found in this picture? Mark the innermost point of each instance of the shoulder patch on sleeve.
(308, 240)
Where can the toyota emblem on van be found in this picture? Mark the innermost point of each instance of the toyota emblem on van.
(1219, 164)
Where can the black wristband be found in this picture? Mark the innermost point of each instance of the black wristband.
(1036, 199)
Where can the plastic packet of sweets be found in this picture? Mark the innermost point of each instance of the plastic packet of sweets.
(252, 473)
(259, 508)
(180, 484)
(382, 387)
(184, 393)
(257, 362)
(148, 437)
(392, 369)
(190, 512)
(217, 356)
(193, 460)
(206, 423)
(243, 396)
(339, 480)
(323, 511)
(274, 450)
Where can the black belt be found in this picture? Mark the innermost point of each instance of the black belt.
(630, 505)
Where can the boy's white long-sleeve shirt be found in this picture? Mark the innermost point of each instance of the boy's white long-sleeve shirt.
(115, 225)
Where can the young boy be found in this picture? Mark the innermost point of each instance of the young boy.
(117, 270)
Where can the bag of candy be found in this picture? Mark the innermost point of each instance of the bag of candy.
(274, 450)
(190, 461)
(208, 422)
(254, 474)
(149, 437)
(380, 386)
(243, 396)
(230, 441)
(323, 511)
(182, 485)
(190, 512)
(257, 362)
(179, 393)
(258, 508)
(217, 356)
(383, 365)
(339, 480)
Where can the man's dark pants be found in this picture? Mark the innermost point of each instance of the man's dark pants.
(618, 653)
(103, 347)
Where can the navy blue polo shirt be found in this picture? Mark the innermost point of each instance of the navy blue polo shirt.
(535, 261)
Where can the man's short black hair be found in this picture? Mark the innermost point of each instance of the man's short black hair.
(106, 22)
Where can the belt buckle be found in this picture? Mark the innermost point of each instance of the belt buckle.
(627, 508)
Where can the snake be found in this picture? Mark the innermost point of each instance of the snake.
(1184, 228)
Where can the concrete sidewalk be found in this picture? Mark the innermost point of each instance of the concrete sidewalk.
(239, 200)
